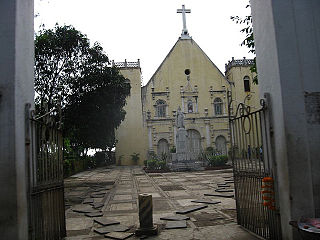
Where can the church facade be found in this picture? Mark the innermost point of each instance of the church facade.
(188, 80)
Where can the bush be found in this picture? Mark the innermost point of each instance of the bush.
(152, 164)
(217, 160)
(173, 149)
(135, 157)
(157, 163)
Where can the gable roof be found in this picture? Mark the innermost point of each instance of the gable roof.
(193, 42)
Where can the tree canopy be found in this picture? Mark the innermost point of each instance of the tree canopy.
(76, 80)
(249, 39)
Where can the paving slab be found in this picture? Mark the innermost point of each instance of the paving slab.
(118, 235)
(175, 218)
(78, 223)
(121, 206)
(176, 224)
(106, 221)
(97, 195)
(111, 228)
(186, 202)
(97, 205)
(122, 197)
(88, 200)
(82, 208)
(94, 214)
(220, 190)
(203, 223)
(219, 195)
(206, 201)
(192, 209)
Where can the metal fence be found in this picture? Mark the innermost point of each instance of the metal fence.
(255, 189)
(46, 189)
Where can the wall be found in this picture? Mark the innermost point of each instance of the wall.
(169, 83)
(131, 134)
(235, 75)
(287, 38)
(16, 90)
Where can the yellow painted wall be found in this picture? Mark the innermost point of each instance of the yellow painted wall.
(235, 75)
(141, 131)
(131, 133)
(170, 78)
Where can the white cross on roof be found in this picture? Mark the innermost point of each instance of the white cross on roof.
(184, 33)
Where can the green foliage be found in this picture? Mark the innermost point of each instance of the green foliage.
(249, 39)
(217, 160)
(213, 157)
(173, 149)
(74, 82)
(135, 157)
(157, 162)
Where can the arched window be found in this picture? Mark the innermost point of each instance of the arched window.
(217, 106)
(246, 84)
(163, 147)
(161, 108)
(190, 106)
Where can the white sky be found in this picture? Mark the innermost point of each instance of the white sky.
(148, 29)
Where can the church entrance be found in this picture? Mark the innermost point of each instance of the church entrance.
(163, 147)
(194, 141)
(221, 145)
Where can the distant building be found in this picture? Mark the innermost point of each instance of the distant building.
(188, 79)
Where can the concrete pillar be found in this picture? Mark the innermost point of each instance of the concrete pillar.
(150, 138)
(208, 138)
(16, 90)
(287, 38)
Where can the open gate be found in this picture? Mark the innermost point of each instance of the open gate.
(44, 146)
(254, 179)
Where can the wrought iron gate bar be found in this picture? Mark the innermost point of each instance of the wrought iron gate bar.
(251, 164)
(47, 212)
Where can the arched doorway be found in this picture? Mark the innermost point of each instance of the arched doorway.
(221, 145)
(163, 147)
(194, 141)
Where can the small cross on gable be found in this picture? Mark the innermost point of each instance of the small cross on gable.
(184, 33)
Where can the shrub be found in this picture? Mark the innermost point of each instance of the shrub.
(173, 149)
(155, 162)
(135, 157)
(217, 160)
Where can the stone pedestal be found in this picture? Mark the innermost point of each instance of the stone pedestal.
(145, 216)
(181, 139)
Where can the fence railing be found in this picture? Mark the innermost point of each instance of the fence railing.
(46, 188)
(257, 209)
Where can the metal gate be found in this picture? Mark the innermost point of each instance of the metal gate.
(44, 146)
(254, 179)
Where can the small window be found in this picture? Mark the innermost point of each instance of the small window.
(161, 108)
(190, 106)
(217, 106)
(246, 82)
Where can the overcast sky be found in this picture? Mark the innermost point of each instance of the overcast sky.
(148, 29)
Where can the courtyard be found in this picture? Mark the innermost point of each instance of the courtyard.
(112, 193)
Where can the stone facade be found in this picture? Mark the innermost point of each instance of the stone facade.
(188, 79)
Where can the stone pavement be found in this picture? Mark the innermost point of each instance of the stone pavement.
(117, 188)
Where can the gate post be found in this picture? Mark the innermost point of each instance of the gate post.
(16, 90)
(287, 43)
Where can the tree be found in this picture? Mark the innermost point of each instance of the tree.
(75, 79)
(249, 39)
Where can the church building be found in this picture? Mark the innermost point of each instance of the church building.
(188, 80)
